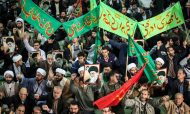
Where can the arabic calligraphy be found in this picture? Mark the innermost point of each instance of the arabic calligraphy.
(160, 23)
(116, 22)
(85, 23)
(34, 15)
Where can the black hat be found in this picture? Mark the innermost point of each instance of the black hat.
(93, 68)
(58, 56)
(9, 40)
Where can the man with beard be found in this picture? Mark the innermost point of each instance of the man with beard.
(18, 67)
(37, 85)
(19, 30)
(172, 64)
(55, 103)
(74, 108)
(60, 80)
(59, 59)
(93, 70)
(9, 87)
(49, 65)
(112, 85)
(140, 105)
(106, 72)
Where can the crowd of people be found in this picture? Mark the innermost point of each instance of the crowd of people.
(46, 76)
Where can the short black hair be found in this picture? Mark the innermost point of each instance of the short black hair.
(108, 65)
(37, 41)
(81, 54)
(74, 103)
(106, 48)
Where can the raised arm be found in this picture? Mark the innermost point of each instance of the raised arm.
(27, 45)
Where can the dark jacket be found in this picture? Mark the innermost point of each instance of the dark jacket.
(61, 102)
(15, 101)
(176, 89)
(47, 47)
(76, 66)
(176, 59)
(112, 60)
(122, 53)
(53, 8)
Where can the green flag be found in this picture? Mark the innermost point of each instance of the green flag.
(93, 4)
(169, 19)
(78, 9)
(98, 43)
(144, 57)
(83, 24)
(41, 21)
(131, 48)
(115, 22)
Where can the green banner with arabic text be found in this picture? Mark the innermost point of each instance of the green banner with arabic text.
(83, 24)
(143, 57)
(41, 21)
(115, 22)
(171, 18)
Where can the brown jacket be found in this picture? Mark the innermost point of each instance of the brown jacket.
(171, 107)
(3, 89)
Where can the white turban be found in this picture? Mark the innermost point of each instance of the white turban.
(130, 66)
(19, 20)
(81, 69)
(160, 60)
(41, 71)
(61, 71)
(9, 72)
(17, 58)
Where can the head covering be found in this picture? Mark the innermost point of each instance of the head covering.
(160, 60)
(61, 71)
(41, 71)
(130, 66)
(19, 20)
(9, 72)
(81, 69)
(17, 58)
(93, 68)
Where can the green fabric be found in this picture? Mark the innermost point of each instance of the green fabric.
(78, 9)
(115, 22)
(38, 18)
(162, 22)
(83, 24)
(98, 43)
(93, 4)
(144, 57)
(131, 48)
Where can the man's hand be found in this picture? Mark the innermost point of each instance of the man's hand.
(165, 98)
(188, 57)
(14, 30)
(46, 108)
(26, 36)
(36, 96)
(159, 44)
(50, 75)
(106, 39)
